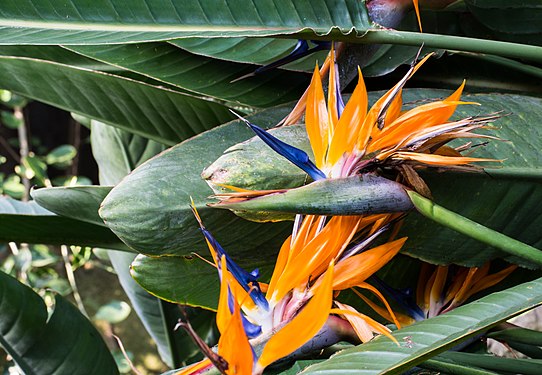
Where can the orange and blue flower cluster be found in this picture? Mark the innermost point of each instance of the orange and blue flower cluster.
(263, 323)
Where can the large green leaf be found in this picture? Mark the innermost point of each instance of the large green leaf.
(116, 21)
(178, 279)
(10, 206)
(78, 202)
(259, 51)
(28, 222)
(428, 338)
(158, 194)
(503, 199)
(57, 54)
(157, 113)
(118, 152)
(201, 75)
(519, 17)
(249, 50)
(65, 343)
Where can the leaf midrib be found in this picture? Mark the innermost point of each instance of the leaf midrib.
(142, 27)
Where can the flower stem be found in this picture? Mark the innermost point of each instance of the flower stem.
(474, 230)
(449, 42)
(458, 43)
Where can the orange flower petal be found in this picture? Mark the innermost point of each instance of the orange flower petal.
(196, 368)
(424, 281)
(234, 347)
(416, 119)
(432, 159)
(348, 128)
(299, 109)
(377, 327)
(436, 294)
(361, 327)
(308, 261)
(282, 259)
(491, 280)
(316, 119)
(417, 9)
(303, 326)
(332, 95)
(233, 344)
(356, 269)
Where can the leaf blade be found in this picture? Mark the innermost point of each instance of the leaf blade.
(157, 113)
(200, 75)
(434, 335)
(65, 343)
(28, 222)
(146, 20)
(77, 202)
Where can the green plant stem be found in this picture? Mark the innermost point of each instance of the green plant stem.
(130, 363)
(529, 350)
(457, 43)
(22, 272)
(453, 368)
(500, 364)
(24, 149)
(71, 279)
(474, 230)
(76, 142)
(518, 334)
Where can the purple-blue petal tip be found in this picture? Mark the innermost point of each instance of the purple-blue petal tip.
(403, 297)
(295, 155)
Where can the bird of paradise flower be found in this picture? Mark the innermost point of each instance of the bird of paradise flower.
(350, 139)
(440, 289)
(263, 323)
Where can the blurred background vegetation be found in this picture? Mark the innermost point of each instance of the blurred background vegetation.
(42, 146)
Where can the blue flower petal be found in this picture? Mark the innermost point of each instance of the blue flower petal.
(340, 102)
(300, 50)
(249, 281)
(403, 297)
(251, 330)
(255, 274)
(293, 154)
